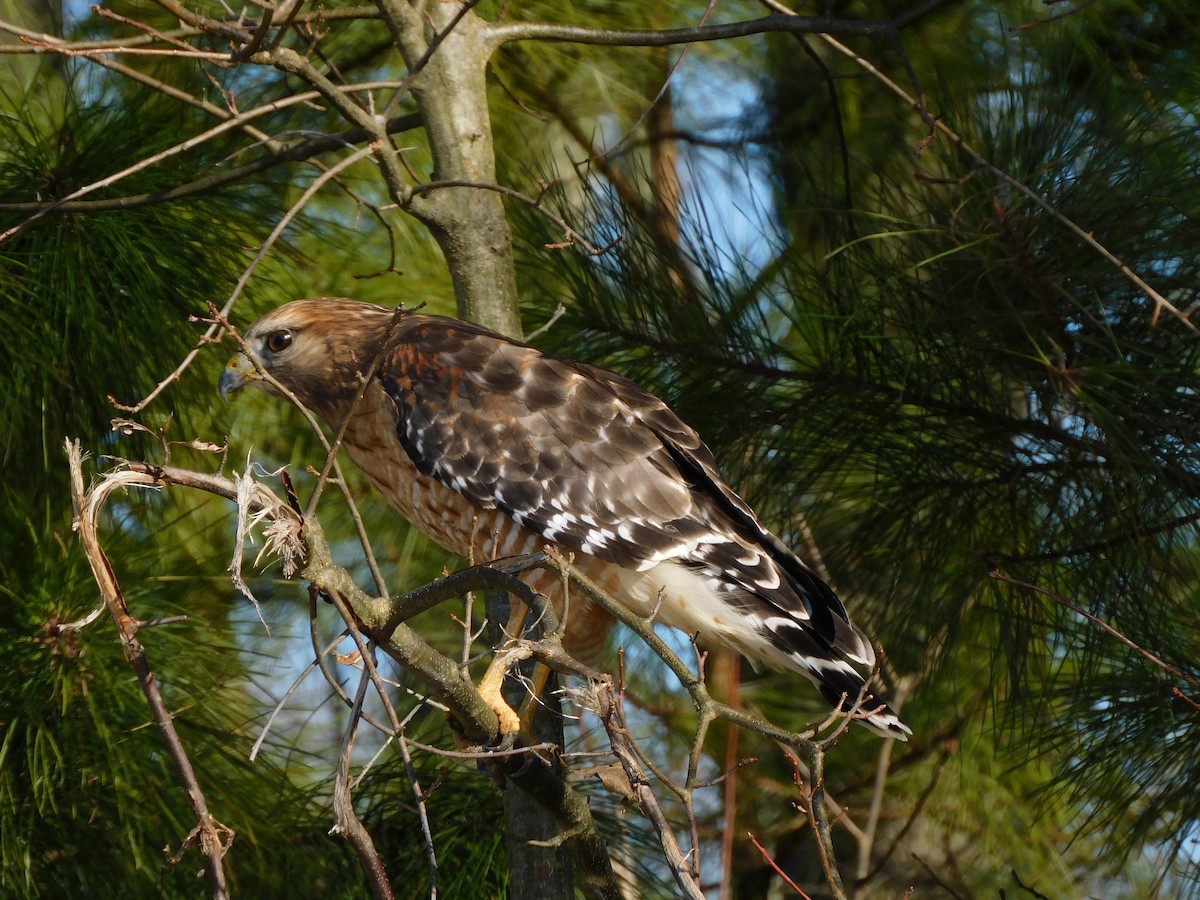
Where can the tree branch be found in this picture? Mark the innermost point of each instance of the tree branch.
(498, 35)
(346, 821)
(88, 505)
(599, 697)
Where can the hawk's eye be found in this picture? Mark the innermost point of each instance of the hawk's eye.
(278, 341)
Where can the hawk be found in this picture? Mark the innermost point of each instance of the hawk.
(494, 448)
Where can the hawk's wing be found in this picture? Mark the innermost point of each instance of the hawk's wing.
(591, 462)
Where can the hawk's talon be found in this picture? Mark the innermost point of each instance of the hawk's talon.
(503, 743)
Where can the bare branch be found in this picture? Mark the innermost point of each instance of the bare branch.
(600, 698)
(41, 42)
(231, 30)
(819, 819)
(1024, 26)
(498, 35)
(866, 841)
(949, 748)
(173, 53)
(288, 60)
(774, 865)
(422, 814)
(346, 821)
(214, 837)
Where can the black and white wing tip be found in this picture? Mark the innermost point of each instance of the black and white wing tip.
(846, 689)
(839, 682)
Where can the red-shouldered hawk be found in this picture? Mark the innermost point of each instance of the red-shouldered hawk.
(494, 448)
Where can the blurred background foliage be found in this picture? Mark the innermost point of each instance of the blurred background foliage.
(914, 372)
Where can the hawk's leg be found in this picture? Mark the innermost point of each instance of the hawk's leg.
(532, 703)
(491, 686)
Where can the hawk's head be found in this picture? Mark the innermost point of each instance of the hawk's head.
(317, 349)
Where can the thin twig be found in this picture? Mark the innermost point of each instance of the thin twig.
(422, 815)
(733, 670)
(1046, 21)
(883, 763)
(498, 35)
(367, 653)
(287, 695)
(164, 37)
(774, 865)
(675, 65)
(364, 383)
(279, 154)
(572, 236)
(41, 37)
(214, 329)
(559, 312)
(819, 819)
(941, 882)
(436, 41)
(127, 51)
(949, 748)
(1038, 895)
(487, 753)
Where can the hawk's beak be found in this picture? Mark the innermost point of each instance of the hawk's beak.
(237, 373)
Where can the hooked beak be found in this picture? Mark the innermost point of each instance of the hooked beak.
(238, 372)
